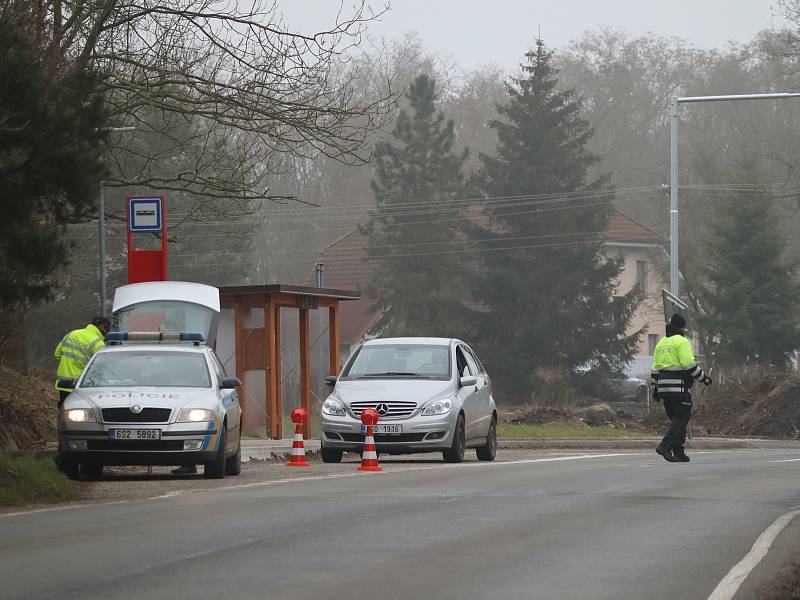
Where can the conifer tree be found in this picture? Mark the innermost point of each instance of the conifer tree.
(752, 298)
(548, 290)
(419, 284)
(50, 163)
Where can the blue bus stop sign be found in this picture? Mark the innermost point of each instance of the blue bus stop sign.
(144, 214)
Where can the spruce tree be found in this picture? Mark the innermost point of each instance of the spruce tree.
(752, 298)
(50, 163)
(419, 283)
(548, 290)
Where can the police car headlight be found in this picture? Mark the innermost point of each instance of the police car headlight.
(332, 407)
(195, 415)
(437, 407)
(79, 415)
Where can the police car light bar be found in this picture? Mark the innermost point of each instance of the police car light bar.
(117, 337)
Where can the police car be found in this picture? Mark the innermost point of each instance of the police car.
(152, 398)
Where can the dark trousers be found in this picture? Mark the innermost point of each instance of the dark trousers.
(59, 422)
(679, 411)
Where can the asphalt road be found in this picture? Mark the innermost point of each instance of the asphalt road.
(528, 526)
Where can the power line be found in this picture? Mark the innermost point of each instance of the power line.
(365, 258)
(554, 196)
(412, 208)
(404, 224)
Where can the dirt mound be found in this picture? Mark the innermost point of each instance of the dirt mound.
(28, 408)
(598, 415)
(766, 407)
(595, 415)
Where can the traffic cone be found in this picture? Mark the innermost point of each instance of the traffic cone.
(369, 454)
(298, 458)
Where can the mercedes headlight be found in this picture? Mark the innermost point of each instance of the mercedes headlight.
(437, 407)
(332, 407)
(79, 415)
(195, 415)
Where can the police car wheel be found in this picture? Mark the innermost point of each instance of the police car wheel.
(69, 467)
(92, 470)
(216, 468)
(233, 464)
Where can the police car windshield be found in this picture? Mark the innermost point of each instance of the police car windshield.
(401, 361)
(149, 369)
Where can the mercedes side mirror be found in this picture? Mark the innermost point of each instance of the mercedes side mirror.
(230, 383)
(468, 380)
(331, 380)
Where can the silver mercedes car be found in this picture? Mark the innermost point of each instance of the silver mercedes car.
(151, 403)
(432, 395)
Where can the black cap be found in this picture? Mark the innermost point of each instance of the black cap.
(97, 321)
(678, 321)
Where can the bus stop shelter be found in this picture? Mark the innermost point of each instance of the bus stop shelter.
(250, 336)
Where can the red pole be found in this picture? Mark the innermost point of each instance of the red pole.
(164, 275)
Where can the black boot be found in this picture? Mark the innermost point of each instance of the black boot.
(680, 455)
(667, 454)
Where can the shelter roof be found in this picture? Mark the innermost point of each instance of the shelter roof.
(299, 290)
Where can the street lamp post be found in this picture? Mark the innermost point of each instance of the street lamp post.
(101, 234)
(674, 282)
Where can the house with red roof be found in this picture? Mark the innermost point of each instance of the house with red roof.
(347, 266)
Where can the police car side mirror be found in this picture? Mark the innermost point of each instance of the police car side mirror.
(230, 383)
(330, 380)
(66, 383)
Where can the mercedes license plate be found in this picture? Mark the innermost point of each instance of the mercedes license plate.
(136, 434)
(384, 429)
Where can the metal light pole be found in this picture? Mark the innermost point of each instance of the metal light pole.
(674, 282)
(101, 234)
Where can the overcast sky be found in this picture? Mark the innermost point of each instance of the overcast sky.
(479, 32)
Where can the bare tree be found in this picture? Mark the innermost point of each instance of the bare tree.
(216, 88)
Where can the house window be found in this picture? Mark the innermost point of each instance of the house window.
(641, 276)
(652, 340)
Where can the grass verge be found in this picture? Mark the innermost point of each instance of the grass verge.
(27, 479)
(510, 430)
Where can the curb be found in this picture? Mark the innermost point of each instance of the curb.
(282, 452)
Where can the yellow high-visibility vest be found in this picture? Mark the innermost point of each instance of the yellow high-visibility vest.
(75, 350)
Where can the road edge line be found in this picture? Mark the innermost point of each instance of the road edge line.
(730, 584)
(253, 484)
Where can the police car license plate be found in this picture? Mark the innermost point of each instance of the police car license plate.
(136, 434)
(384, 429)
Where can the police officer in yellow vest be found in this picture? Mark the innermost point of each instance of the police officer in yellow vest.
(674, 373)
(75, 350)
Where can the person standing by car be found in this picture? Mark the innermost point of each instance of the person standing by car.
(674, 373)
(75, 349)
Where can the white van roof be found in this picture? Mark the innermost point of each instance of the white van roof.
(182, 291)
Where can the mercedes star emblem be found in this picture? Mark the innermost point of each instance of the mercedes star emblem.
(383, 409)
(136, 409)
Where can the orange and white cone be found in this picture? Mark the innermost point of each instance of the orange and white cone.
(298, 458)
(369, 454)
